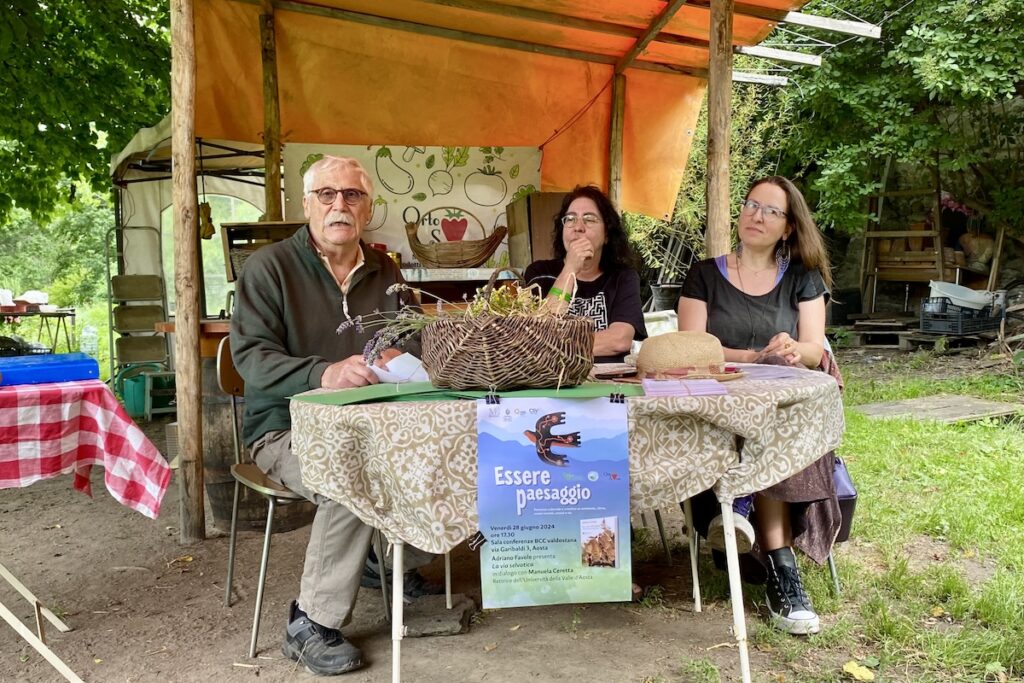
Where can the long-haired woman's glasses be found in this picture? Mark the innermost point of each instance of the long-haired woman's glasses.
(350, 196)
(589, 219)
(750, 207)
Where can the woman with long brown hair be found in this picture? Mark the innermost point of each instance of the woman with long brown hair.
(765, 302)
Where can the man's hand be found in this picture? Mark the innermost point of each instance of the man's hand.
(386, 356)
(351, 372)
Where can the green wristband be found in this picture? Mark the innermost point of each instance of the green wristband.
(564, 296)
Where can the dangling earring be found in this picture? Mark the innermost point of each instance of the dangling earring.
(782, 255)
(739, 250)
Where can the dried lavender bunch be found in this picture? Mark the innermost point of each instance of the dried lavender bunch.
(394, 328)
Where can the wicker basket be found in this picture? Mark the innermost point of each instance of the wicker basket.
(458, 254)
(501, 353)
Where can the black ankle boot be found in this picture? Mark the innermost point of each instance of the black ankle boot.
(788, 602)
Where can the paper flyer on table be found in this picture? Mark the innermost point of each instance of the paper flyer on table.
(403, 368)
(553, 501)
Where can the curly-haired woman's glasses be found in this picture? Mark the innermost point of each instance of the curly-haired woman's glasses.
(589, 219)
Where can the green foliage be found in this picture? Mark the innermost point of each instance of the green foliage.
(78, 78)
(653, 597)
(62, 256)
(700, 671)
(760, 120)
(938, 85)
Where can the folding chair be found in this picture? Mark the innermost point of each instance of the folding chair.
(252, 477)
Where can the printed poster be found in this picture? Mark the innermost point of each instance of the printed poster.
(553, 500)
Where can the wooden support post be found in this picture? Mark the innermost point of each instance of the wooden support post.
(716, 239)
(186, 272)
(271, 115)
(993, 273)
(615, 148)
(937, 241)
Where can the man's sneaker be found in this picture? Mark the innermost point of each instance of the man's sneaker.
(741, 508)
(371, 572)
(414, 586)
(323, 651)
(788, 602)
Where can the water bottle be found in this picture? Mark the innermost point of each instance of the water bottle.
(89, 342)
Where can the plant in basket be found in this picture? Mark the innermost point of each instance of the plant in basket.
(503, 338)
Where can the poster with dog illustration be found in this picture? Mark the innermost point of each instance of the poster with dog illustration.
(553, 501)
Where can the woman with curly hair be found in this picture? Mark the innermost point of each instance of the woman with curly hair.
(594, 274)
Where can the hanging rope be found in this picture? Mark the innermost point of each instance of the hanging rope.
(576, 117)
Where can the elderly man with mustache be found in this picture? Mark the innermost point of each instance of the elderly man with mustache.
(290, 299)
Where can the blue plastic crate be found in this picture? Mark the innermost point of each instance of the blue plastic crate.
(53, 367)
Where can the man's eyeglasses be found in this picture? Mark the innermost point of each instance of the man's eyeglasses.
(589, 220)
(350, 196)
(750, 207)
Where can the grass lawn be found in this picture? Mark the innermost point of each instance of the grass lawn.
(933, 577)
(933, 574)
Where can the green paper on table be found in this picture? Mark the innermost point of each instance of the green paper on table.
(425, 391)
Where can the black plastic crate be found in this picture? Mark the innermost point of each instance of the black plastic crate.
(940, 316)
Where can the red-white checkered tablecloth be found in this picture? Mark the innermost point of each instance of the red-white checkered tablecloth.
(50, 429)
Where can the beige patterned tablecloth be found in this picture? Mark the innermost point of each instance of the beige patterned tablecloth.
(410, 469)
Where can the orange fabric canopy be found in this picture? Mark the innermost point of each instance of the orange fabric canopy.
(344, 80)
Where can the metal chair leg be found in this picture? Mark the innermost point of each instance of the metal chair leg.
(664, 538)
(835, 574)
(448, 580)
(263, 576)
(398, 618)
(694, 542)
(231, 546)
(378, 542)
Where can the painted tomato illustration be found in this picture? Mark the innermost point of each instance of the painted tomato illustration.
(486, 187)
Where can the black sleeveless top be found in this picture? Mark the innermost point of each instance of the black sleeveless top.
(742, 321)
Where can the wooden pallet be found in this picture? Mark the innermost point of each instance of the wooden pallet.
(876, 339)
(909, 340)
(881, 333)
(918, 340)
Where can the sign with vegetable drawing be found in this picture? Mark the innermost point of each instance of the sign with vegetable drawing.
(436, 206)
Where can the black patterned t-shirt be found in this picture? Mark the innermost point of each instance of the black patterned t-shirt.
(611, 298)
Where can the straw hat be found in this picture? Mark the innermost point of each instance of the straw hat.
(695, 355)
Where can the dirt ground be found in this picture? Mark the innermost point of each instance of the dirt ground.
(144, 608)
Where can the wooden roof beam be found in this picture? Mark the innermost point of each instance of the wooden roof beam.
(762, 79)
(853, 28)
(777, 55)
(612, 29)
(667, 12)
(478, 38)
